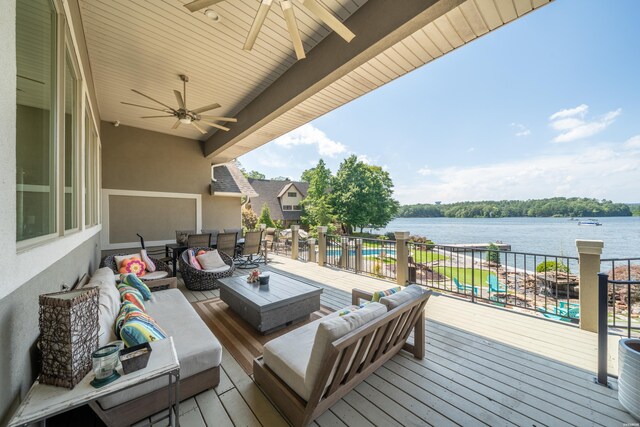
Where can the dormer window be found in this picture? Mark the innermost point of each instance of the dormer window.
(292, 194)
(287, 208)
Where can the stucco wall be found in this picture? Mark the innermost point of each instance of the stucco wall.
(141, 160)
(19, 322)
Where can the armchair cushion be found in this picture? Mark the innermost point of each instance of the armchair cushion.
(394, 300)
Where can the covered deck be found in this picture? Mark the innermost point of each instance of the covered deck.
(483, 366)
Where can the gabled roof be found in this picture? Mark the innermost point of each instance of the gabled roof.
(269, 192)
(228, 179)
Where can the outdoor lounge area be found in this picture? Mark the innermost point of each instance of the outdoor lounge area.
(345, 332)
(482, 366)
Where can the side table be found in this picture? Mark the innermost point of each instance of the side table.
(44, 401)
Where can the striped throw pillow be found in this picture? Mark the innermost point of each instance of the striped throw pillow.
(137, 327)
(131, 294)
(381, 294)
(135, 282)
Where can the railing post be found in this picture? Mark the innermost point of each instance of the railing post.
(603, 351)
(344, 253)
(312, 249)
(402, 257)
(358, 266)
(263, 243)
(589, 252)
(322, 245)
(295, 237)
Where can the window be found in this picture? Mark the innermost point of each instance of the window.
(292, 194)
(35, 119)
(286, 207)
(296, 207)
(70, 144)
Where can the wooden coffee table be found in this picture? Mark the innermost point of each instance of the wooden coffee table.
(282, 302)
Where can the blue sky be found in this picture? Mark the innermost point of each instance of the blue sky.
(546, 106)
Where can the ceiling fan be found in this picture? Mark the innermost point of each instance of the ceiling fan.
(182, 113)
(312, 6)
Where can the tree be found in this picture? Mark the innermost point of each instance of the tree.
(307, 174)
(250, 174)
(249, 218)
(316, 206)
(265, 217)
(280, 178)
(361, 195)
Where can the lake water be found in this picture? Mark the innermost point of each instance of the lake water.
(547, 236)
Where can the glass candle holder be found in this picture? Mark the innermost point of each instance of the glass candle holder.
(105, 360)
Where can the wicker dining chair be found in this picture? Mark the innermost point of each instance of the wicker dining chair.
(197, 240)
(203, 280)
(227, 243)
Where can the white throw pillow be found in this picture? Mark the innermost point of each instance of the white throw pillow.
(109, 303)
(407, 294)
(330, 330)
(211, 260)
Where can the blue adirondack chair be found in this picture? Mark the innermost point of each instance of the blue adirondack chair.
(495, 287)
(465, 288)
(558, 313)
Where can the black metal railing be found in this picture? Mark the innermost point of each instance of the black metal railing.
(372, 257)
(282, 244)
(547, 284)
(303, 250)
(607, 301)
(623, 294)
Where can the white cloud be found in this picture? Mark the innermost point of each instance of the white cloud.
(580, 110)
(535, 177)
(365, 159)
(471, 149)
(310, 135)
(425, 171)
(572, 125)
(521, 130)
(633, 142)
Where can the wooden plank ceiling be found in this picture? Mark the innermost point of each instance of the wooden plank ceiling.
(144, 45)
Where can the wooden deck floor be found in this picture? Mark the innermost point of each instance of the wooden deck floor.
(484, 366)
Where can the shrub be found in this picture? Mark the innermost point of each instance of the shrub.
(249, 219)
(493, 255)
(552, 266)
(265, 217)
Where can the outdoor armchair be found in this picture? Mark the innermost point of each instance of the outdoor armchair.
(251, 248)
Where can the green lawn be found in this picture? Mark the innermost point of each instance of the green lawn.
(464, 275)
(427, 256)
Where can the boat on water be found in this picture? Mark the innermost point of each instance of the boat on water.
(589, 222)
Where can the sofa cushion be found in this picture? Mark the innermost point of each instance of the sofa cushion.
(289, 354)
(197, 350)
(158, 274)
(135, 282)
(109, 301)
(399, 298)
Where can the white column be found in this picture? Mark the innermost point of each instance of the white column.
(589, 252)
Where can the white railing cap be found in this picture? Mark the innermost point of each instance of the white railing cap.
(590, 247)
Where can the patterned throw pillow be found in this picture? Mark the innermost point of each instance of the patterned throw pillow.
(151, 266)
(137, 327)
(131, 294)
(133, 265)
(135, 282)
(381, 294)
(193, 260)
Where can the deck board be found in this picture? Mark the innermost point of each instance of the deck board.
(484, 366)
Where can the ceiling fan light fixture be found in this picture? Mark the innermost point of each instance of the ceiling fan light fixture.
(211, 14)
(186, 120)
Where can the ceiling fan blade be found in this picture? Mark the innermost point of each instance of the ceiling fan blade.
(142, 106)
(215, 125)
(154, 100)
(327, 17)
(156, 117)
(197, 126)
(221, 119)
(179, 98)
(200, 4)
(176, 124)
(265, 5)
(292, 26)
(207, 108)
